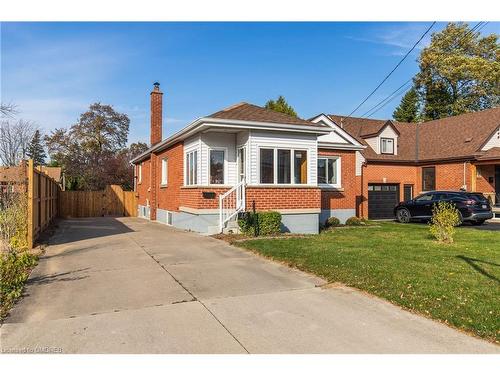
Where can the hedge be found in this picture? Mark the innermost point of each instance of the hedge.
(262, 223)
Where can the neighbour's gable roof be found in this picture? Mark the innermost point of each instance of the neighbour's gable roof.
(250, 112)
(492, 153)
(448, 138)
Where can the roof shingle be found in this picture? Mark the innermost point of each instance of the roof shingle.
(250, 112)
(452, 137)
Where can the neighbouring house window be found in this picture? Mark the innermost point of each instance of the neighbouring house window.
(139, 173)
(241, 164)
(300, 167)
(284, 166)
(428, 178)
(217, 167)
(387, 146)
(328, 169)
(164, 171)
(192, 168)
(266, 166)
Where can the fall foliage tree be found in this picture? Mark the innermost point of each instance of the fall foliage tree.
(92, 152)
(459, 72)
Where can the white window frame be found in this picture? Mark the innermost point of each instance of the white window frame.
(194, 156)
(224, 149)
(275, 166)
(338, 167)
(382, 141)
(164, 172)
(139, 174)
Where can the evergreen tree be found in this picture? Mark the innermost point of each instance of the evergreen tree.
(35, 149)
(281, 105)
(408, 110)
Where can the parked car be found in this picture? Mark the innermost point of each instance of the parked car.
(472, 207)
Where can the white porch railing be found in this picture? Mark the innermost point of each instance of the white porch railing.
(230, 203)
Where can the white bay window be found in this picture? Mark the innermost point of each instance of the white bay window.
(191, 177)
(283, 166)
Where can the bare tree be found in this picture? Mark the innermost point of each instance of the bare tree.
(14, 140)
(7, 110)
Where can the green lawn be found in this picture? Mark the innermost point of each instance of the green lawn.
(457, 283)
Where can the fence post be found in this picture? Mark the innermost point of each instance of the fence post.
(30, 202)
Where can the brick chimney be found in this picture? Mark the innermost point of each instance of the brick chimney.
(156, 114)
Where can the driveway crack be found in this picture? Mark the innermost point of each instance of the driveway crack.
(192, 295)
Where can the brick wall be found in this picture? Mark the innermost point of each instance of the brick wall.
(168, 197)
(271, 198)
(449, 176)
(484, 174)
(345, 199)
(142, 188)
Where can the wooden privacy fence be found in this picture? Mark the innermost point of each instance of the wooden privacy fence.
(42, 202)
(112, 201)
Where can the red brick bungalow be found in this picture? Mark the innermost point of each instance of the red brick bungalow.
(241, 157)
(403, 160)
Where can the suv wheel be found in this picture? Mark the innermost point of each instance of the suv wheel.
(403, 215)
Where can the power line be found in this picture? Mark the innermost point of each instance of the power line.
(392, 71)
(475, 30)
(395, 92)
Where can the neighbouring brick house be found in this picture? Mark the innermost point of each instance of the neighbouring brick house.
(246, 156)
(242, 157)
(402, 160)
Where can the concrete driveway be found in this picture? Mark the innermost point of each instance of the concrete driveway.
(126, 285)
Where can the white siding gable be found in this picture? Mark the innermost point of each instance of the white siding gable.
(494, 141)
(388, 132)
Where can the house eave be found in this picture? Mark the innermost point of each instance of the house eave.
(210, 122)
(340, 146)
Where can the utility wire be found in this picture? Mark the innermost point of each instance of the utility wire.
(475, 30)
(392, 71)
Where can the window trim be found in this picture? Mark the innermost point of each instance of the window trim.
(225, 150)
(164, 178)
(423, 184)
(382, 139)
(275, 166)
(139, 174)
(186, 168)
(338, 163)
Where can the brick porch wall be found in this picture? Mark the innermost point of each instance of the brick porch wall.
(345, 199)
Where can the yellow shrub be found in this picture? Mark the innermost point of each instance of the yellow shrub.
(445, 217)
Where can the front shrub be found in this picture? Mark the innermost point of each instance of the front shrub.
(332, 222)
(263, 223)
(445, 217)
(14, 271)
(354, 221)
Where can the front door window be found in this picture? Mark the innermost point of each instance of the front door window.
(241, 164)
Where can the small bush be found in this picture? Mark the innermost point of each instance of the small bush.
(263, 223)
(14, 271)
(445, 217)
(354, 221)
(332, 222)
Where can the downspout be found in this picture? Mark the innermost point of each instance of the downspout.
(464, 186)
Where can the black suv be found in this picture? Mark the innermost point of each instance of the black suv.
(473, 207)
